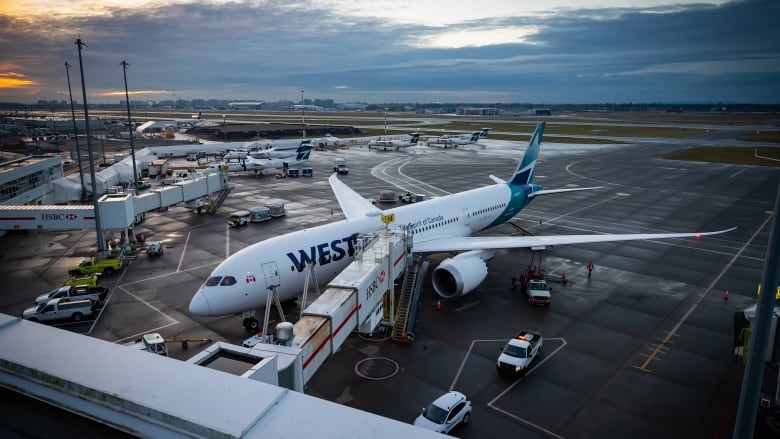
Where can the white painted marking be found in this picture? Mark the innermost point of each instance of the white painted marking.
(183, 251)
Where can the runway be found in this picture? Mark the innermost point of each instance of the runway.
(640, 349)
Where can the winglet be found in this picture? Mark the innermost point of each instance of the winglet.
(524, 174)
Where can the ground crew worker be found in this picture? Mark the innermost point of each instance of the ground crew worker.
(590, 268)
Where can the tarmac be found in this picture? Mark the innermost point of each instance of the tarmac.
(642, 348)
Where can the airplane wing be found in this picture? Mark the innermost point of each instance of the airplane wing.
(352, 203)
(468, 243)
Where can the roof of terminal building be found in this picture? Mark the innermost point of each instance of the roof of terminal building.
(145, 393)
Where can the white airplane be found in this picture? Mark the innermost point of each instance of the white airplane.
(326, 142)
(259, 165)
(461, 139)
(274, 153)
(402, 143)
(438, 225)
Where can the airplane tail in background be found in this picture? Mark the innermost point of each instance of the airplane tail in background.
(475, 136)
(484, 132)
(303, 151)
(414, 139)
(524, 174)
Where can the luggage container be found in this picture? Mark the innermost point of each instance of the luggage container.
(387, 197)
(308, 172)
(277, 210)
(259, 214)
(293, 172)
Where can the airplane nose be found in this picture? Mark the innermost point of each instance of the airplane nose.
(199, 306)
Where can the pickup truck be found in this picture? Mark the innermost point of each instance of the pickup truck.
(154, 248)
(538, 292)
(98, 294)
(518, 354)
(83, 281)
(58, 309)
(96, 265)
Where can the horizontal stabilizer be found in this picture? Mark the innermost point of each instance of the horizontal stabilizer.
(558, 191)
(496, 179)
(469, 243)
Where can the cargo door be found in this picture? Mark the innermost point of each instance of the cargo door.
(271, 274)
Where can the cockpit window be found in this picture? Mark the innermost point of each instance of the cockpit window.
(213, 281)
(228, 280)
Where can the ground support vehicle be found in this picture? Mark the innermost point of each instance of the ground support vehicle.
(98, 294)
(240, 218)
(519, 352)
(340, 166)
(59, 309)
(444, 413)
(259, 214)
(85, 281)
(538, 292)
(154, 248)
(96, 265)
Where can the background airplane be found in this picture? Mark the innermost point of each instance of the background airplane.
(259, 165)
(397, 143)
(455, 140)
(240, 283)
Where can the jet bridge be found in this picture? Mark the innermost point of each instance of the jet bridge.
(354, 300)
(117, 211)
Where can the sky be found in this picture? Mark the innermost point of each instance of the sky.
(394, 51)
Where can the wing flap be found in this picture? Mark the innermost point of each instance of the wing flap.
(468, 243)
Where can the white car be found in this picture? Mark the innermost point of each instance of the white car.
(443, 414)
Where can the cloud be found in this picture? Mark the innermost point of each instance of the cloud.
(268, 50)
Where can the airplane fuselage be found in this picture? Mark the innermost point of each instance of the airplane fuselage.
(283, 260)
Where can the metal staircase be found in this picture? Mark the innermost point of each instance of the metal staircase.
(215, 204)
(410, 290)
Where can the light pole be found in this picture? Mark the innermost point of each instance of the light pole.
(75, 133)
(125, 65)
(303, 117)
(224, 131)
(385, 121)
(101, 242)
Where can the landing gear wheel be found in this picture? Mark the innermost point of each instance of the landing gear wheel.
(254, 325)
(245, 322)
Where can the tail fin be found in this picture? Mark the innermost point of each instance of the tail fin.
(414, 139)
(484, 132)
(475, 136)
(303, 150)
(524, 174)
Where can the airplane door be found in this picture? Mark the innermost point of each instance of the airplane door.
(466, 217)
(271, 274)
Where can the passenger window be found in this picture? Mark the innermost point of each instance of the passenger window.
(48, 308)
(227, 281)
(213, 281)
(455, 411)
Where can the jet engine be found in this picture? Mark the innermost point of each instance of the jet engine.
(458, 276)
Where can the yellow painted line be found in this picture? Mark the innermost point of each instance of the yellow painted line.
(695, 305)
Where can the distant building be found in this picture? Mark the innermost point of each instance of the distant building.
(245, 105)
(477, 111)
(541, 111)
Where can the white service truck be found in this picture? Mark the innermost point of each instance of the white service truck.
(98, 294)
(519, 352)
(59, 309)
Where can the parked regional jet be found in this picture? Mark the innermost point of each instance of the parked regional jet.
(326, 142)
(240, 283)
(259, 165)
(398, 143)
(274, 153)
(462, 139)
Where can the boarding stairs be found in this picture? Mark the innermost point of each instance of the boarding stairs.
(408, 299)
(215, 204)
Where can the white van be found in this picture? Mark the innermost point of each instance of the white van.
(239, 218)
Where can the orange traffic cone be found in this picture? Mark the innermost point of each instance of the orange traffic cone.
(726, 296)
(438, 305)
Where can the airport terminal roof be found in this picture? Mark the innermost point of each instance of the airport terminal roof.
(151, 395)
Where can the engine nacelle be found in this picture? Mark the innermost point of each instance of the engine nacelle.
(458, 276)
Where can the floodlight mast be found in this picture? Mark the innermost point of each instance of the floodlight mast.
(101, 242)
(125, 65)
(76, 133)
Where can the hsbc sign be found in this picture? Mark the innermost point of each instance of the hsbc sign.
(58, 216)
